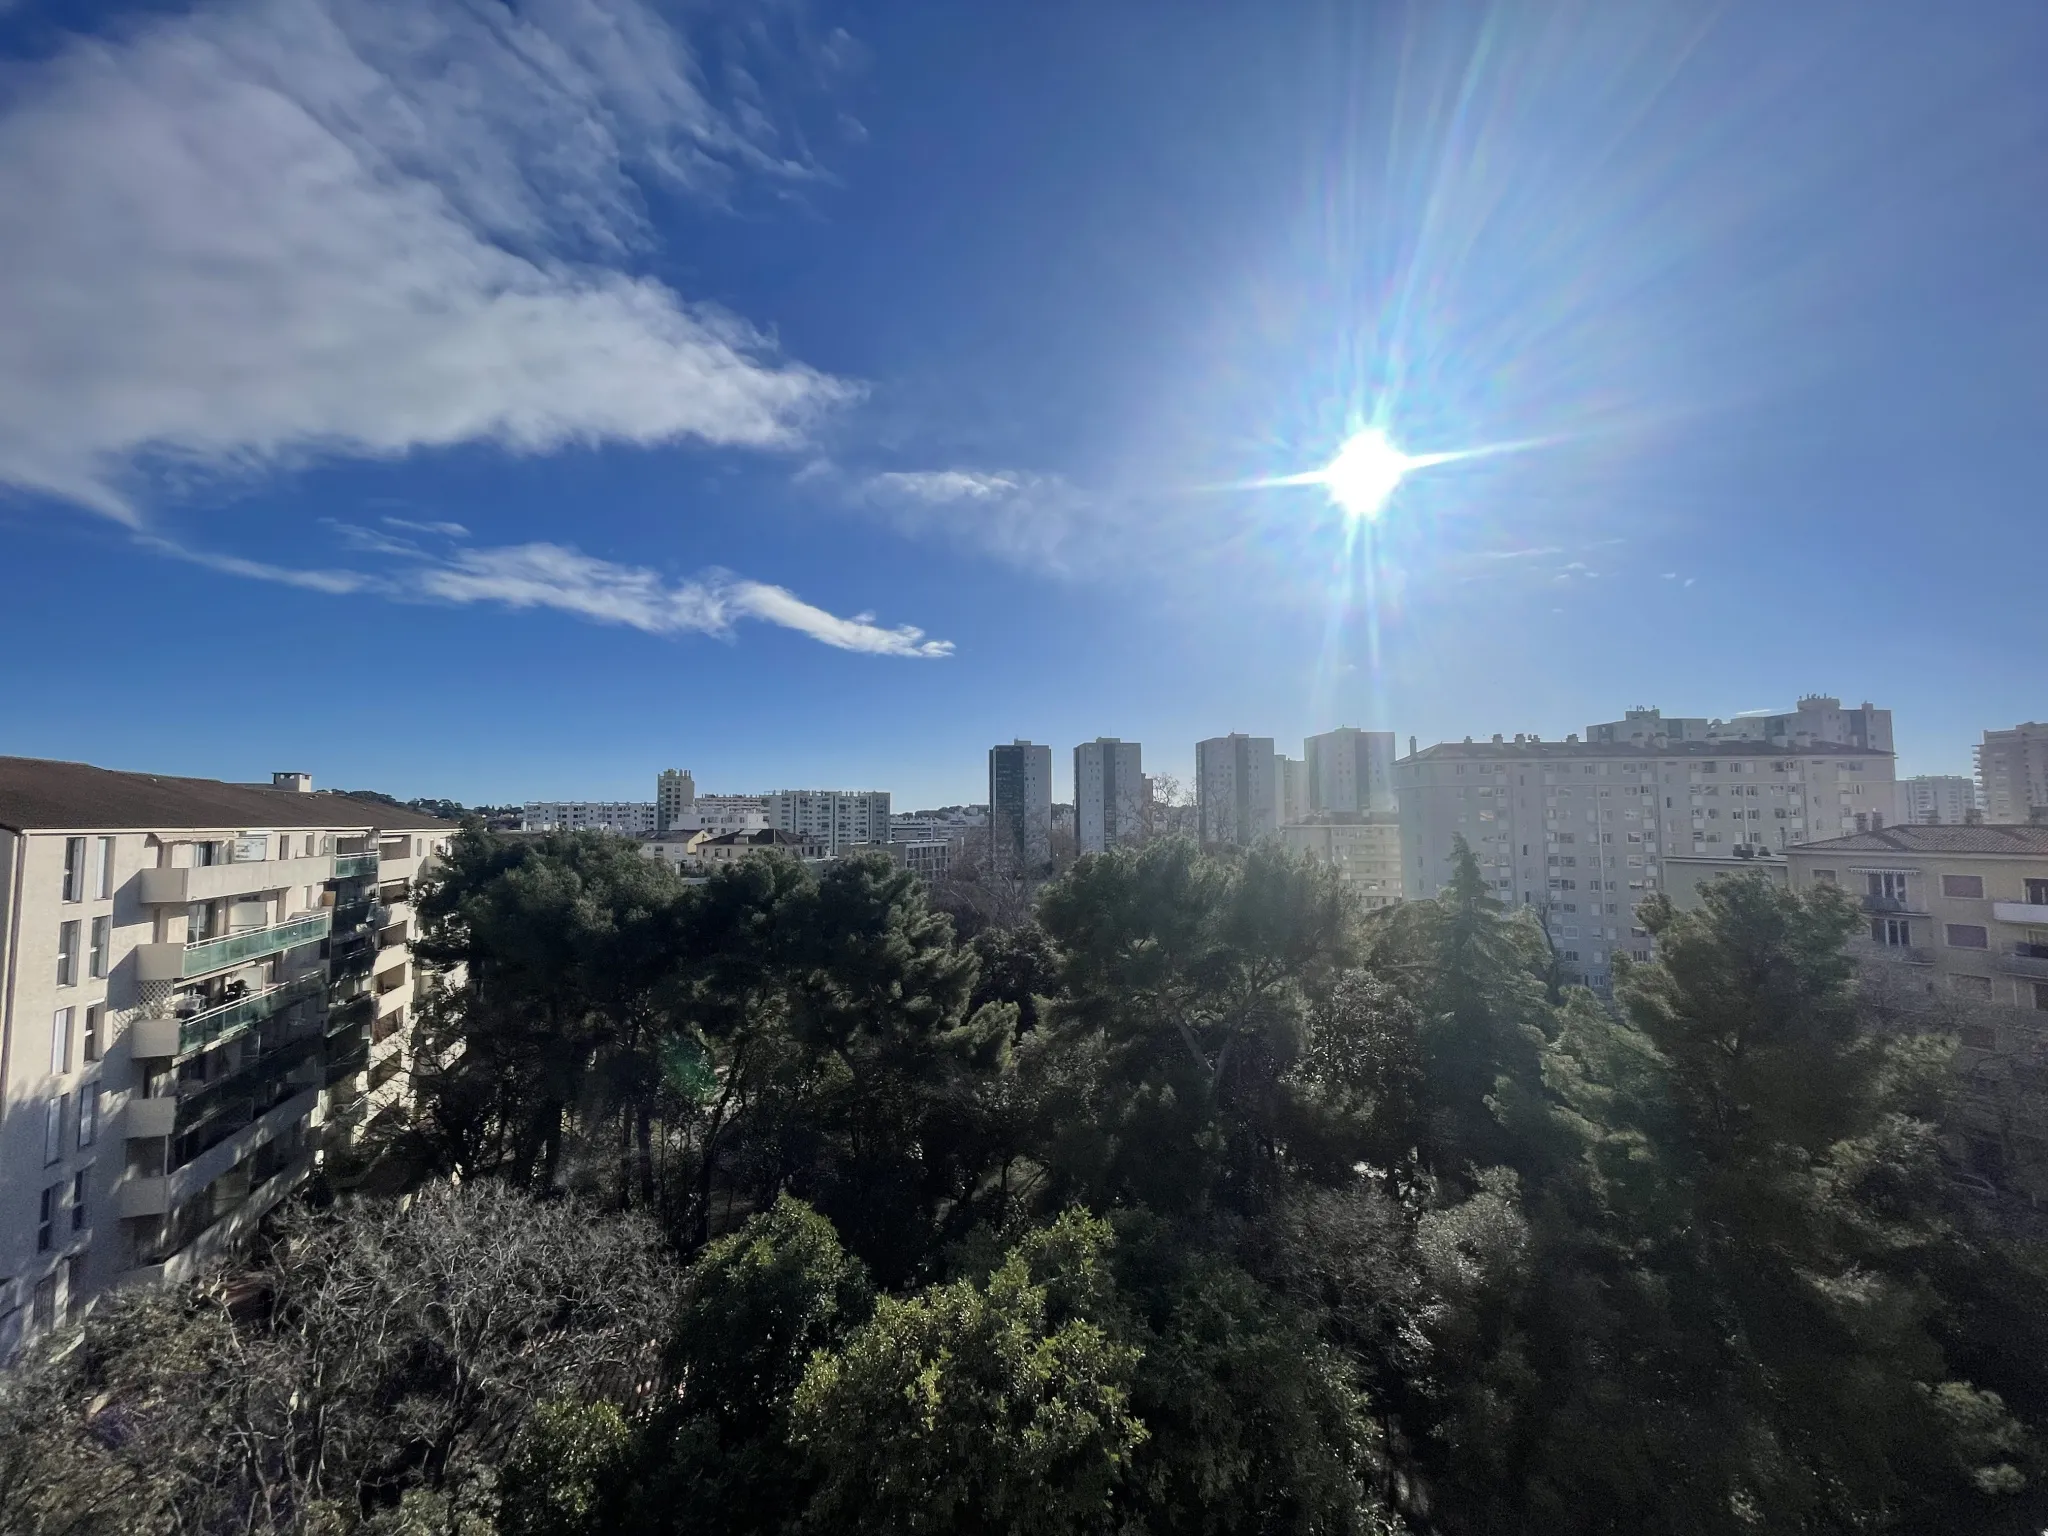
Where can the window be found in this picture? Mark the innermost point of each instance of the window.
(74, 869)
(1891, 932)
(1971, 986)
(2037, 892)
(1967, 887)
(67, 954)
(1968, 936)
(103, 870)
(2041, 995)
(1979, 1037)
(102, 941)
(78, 1200)
(88, 1114)
(53, 1128)
(60, 1041)
(1824, 877)
(95, 1021)
(46, 1221)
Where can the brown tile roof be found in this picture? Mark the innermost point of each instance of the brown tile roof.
(41, 793)
(1987, 839)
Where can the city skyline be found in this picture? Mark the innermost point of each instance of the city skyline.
(800, 406)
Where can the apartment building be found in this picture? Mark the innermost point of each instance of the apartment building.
(675, 796)
(1818, 719)
(1582, 830)
(1350, 770)
(1958, 926)
(1236, 799)
(1290, 784)
(1363, 847)
(929, 859)
(1110, 794)
(628, 818)
(2012, 774)
(719, 814)
(204, 987)
(1938, 799)
(836, 818)
(1020, 808)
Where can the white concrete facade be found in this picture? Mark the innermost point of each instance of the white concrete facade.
(1350, 770)
(836, 818)
(629, 818)
(1020, 808)
(1236, 796)
(2012, 773)
(1364, 848)
(675, 796)
(1581, 830)
(1291, 784)
(1818, 720)
(1110, 794)
(1937, 799)
(204, 988)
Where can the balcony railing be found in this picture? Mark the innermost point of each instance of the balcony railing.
(355, 866)
(1900, 904)
(173, 962)
(2025, 960)
(230, 1019)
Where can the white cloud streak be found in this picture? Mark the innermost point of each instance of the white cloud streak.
(1033, 521)
(565, 580)
(272, 229)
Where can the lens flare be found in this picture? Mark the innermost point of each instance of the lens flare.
(1364, 474)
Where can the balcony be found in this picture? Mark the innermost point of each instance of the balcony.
(1894, 954)
(2024, 960)
(355, 866)
(149, 1117)
(2020, 912)
(198, 1030)
(143, 1197)
(1903, 905)
(215, 882)
(180, 962)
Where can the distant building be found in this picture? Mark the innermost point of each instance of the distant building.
(1818, 719)
(1350, 770)
(1938, 799)
(1643, 727)
(1020, 808)
(929, 859)
(1236, 796)
(675, 794)
(2012, 773)
(1364, 848)
(726, 813)
(1290, 783)
(1583, 830)
(715, 851)
(1110, 794)
(629, 818)
(837, 818)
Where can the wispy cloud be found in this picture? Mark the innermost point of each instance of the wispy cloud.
(565, 580)
(443, 530)
(1030, 520)
(267, 229)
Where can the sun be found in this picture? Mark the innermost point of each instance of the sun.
(1365, 473)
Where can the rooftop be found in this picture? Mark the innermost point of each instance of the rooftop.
(39, 794)
(2018, 841)
(1523, 751)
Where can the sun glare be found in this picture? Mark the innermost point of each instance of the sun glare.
(1365, 472)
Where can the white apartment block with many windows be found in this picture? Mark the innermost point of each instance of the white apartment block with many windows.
(1938, 799)
(1350, 770)
(1581, 830)
(2012, 774)
(1110, 794)
(836, 818)
(204, 987)
(1363, 847)
(628, 818)
(675, 796)
(1237, 796)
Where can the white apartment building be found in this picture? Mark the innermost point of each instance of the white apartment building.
(1350, 770)
(928, 859)
(1364, 847)
(1020, 808)
(1937, 799)
(1291, 784)
(1581, 830)
(2012, 773)
(204, 988)
(675, 795)
(1110, 794)
(629, 818)
(1236, 796)
(719, 814)
(836, 818)
(1819, 718)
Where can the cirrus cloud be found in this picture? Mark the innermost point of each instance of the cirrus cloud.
(272, 229)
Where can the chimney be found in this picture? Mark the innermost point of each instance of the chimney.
(1411, 746)
(297, 783)
(1496, 738)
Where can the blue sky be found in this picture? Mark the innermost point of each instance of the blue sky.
(510, 402)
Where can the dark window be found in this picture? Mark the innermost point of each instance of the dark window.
(74, 869)
(1967, 887)
(1968, 936)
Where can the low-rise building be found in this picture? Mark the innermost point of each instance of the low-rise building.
(628, 818)
(204, 988)
(712, 852)
(930, 860)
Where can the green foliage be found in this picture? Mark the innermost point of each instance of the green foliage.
(996, 1417)
(562, 1479)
